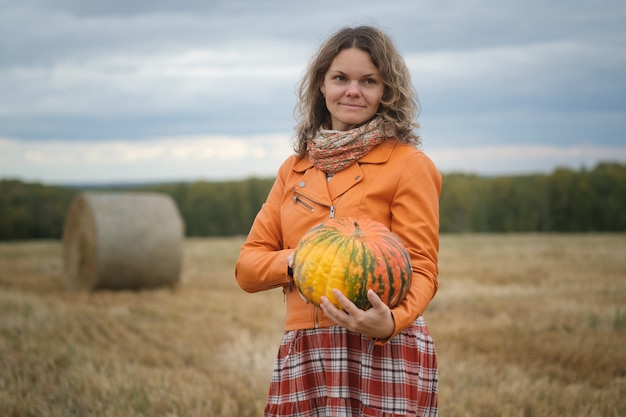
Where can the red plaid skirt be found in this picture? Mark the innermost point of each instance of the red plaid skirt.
(333, 372)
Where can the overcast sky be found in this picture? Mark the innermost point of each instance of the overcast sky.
(157, 90)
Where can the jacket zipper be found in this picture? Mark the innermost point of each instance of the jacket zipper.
(307, 202)
(298, 200)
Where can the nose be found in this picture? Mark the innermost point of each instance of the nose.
(353, 89)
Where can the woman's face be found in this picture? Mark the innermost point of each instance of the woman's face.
(352, 88)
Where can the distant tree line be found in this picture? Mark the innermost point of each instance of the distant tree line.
(564, 201)
(587, 200)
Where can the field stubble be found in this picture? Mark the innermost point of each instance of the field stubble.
(525, 325)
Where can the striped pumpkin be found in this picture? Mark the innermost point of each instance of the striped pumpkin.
(351, 255)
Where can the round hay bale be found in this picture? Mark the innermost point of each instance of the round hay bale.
(122, 241)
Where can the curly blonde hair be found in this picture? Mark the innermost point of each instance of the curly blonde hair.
(399, 106)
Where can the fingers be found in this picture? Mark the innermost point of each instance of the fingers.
(332, 312)
(348, 306)
(376, 322)
(375, 300)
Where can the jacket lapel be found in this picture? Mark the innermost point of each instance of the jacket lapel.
(314, 184)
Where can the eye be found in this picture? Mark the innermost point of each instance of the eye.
(370, 81)
(339, 78)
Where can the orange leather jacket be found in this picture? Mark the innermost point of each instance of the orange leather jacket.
(395, 184)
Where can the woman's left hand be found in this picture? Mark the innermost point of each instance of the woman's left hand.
(376, 322)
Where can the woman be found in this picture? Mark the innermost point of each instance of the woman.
(356, 156)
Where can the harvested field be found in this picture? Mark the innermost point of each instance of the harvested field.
(526, 325)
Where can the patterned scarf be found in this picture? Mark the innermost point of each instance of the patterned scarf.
(334, 150)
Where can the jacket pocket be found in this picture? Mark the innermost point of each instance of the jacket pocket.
(303, 202)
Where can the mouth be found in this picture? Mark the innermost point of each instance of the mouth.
(352, 106)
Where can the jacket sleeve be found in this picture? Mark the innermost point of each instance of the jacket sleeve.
(415, 220)
(262, 262)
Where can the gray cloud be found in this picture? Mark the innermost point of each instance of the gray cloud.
(488, 72)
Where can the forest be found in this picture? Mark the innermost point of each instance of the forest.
(566, 200)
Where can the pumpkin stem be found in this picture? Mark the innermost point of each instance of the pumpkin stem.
(358, 232)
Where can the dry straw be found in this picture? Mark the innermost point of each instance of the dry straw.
(122, 241)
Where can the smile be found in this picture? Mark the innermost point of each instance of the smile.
(352, 106)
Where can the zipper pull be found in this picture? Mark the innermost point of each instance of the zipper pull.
(332, 212)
